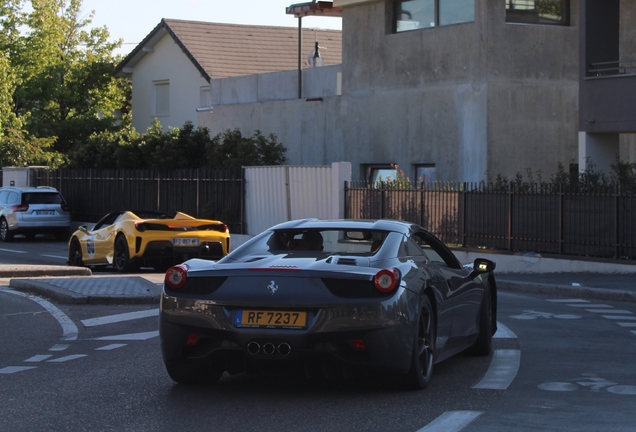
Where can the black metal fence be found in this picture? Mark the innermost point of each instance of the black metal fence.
(202, 193)
(597, 223)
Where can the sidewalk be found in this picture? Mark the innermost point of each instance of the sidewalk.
(77, 285)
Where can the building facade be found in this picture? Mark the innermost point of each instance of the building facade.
(447, 90)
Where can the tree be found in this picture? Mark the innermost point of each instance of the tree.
(64, 86)
(232, 150)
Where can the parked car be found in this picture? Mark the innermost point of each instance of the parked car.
(129, 239)
(355, 296)
(31, 211)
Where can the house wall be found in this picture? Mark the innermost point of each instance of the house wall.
(166, 62)
(475, 99)
(628, 52)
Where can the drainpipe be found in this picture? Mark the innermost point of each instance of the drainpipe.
(300, 53)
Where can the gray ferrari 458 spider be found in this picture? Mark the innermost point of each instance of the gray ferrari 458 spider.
(327, 296)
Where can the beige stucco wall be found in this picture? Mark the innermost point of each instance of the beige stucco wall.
(166, 62)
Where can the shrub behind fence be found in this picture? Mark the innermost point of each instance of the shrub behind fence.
(595, 222)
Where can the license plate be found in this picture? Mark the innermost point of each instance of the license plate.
(44, 212)
(185, 241)
(270, 319)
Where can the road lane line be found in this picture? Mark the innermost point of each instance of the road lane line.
(14, 251)
(14, 369)
(503, 369)
(67, 358)
(504, 332)
(628, 324)
(596, 306)
(59, 347)
(451, 421)
(131, 336)
(569, 301)
(110, 347)
(38, 358)
(55, 256)
(69, 329)
(92, 322)
(619, 317)
(610, 311)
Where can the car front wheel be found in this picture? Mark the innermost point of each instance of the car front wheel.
(75, 254)
(419, 376)
(5, 234)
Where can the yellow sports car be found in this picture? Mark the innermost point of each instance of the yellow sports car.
(127, 240)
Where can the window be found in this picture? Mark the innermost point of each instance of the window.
(555, 12)
(425, 173)
(162, 98)
(378, 173)
(205, 97)
(418, 14)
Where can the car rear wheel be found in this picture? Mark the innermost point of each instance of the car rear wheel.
(419, 376)
(75, 254)
(5, 234)
(483, 344)
(121, 260)
(189, 373)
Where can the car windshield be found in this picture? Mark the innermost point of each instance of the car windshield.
(41, 198)
(317, 241)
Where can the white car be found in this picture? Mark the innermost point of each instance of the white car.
(31, 211)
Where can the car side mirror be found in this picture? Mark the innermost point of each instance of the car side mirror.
(83, 228)
(481, 266)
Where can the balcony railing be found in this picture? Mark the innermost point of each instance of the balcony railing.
(619, 67)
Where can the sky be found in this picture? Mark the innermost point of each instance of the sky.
(132, 20)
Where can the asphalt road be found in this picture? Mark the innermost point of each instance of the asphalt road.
(100, 369)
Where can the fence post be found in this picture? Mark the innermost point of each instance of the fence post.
(464, 197)
(510, 193)
(617, 218)
(561, 214)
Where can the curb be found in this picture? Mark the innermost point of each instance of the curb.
(35, 271)
(567, 291)
(69, 297)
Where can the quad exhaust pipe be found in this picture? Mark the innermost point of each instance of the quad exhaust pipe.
(254, 348)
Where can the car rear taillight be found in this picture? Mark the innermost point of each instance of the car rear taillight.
(386, 280)
(140, 226)
(221, 227)
(65, 207)
(20, 207)
(176, 276)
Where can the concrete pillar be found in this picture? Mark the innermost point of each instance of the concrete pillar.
(599, 149)
(340, 173)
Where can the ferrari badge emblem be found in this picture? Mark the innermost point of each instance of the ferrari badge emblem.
(272, 287)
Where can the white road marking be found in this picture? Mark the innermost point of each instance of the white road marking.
(622, 324)
(55, 256)
(59, 347)
(451, 421)
(14, 251)
(69, 329)
(503, 369)
(67, 358)
(14, 369)
(569, 301)
(504, 332)
(110, 347)
(612, 311)
(120, 317)
(38, 358)
(619, 317)
(590, 305)
(634, 331)
(132, 336)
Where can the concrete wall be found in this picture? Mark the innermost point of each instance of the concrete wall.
(476, 99)
(275, 86)
(166, 62)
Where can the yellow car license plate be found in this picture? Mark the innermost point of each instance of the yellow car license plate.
(270, 319)
(185, 241)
